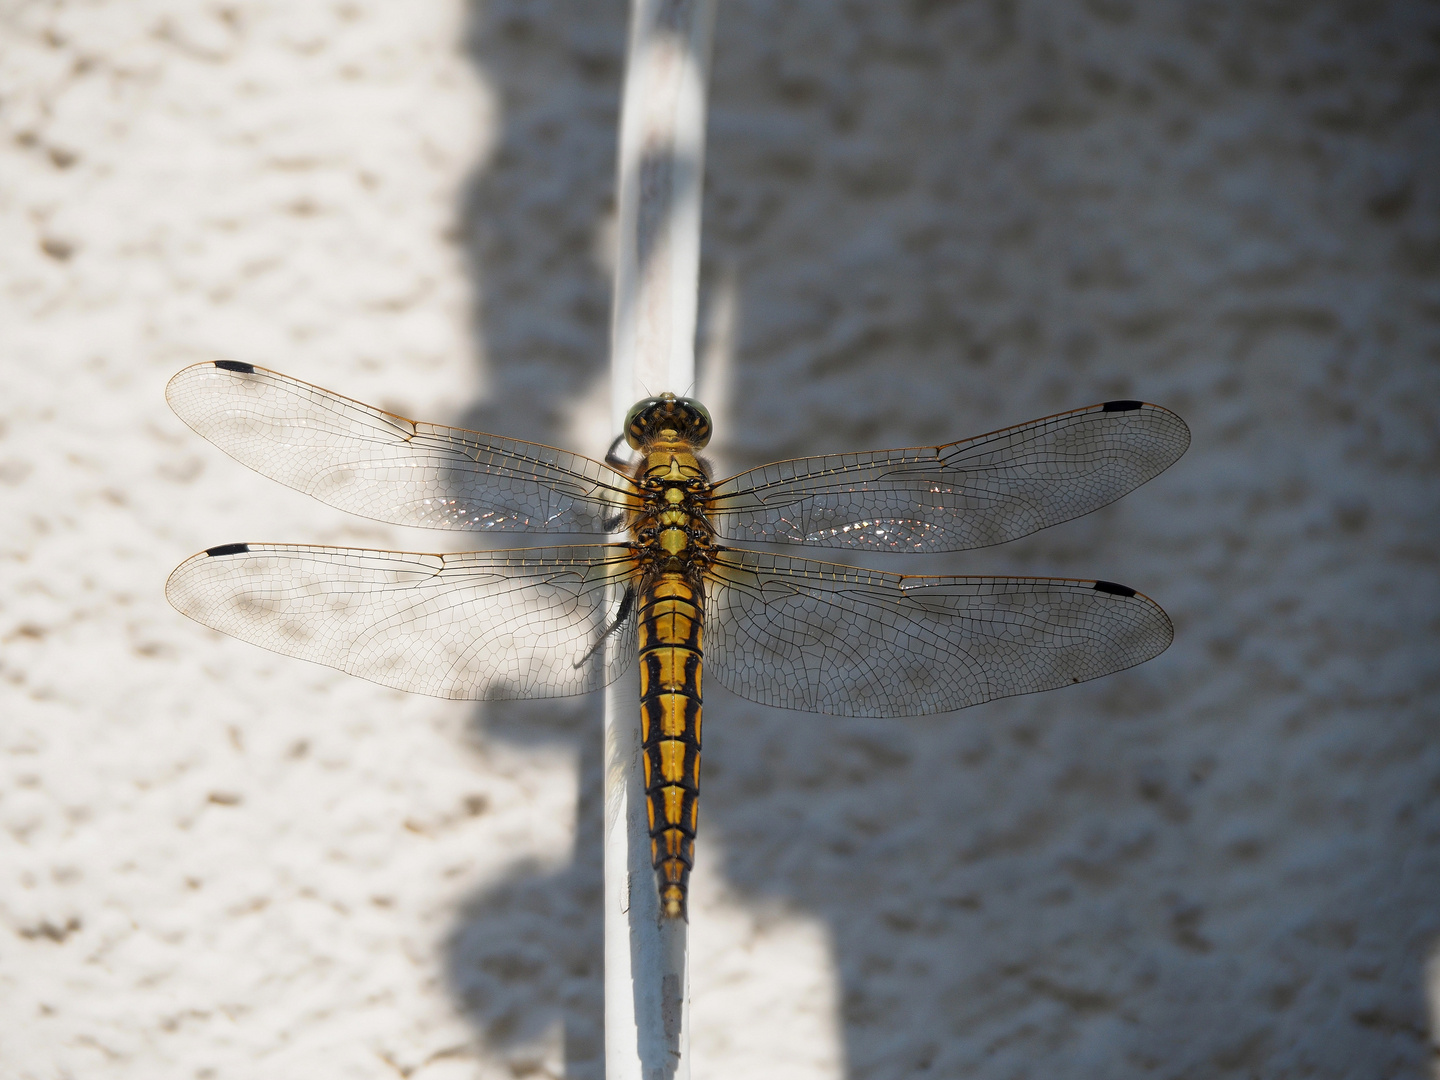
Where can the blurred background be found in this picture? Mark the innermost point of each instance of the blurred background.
(922, 221)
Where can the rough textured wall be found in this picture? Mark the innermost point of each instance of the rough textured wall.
(923, 220)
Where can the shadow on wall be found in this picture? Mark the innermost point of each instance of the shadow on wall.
(944, 218)
(534, 219)
(528, 956)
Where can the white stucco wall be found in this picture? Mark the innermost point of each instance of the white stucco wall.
(925, 220)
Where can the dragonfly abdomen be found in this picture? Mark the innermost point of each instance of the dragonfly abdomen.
(671, 657)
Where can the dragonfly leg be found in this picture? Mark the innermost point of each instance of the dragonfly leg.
(627, 605)
(613, 458)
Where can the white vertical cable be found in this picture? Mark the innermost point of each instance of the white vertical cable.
(661, 165)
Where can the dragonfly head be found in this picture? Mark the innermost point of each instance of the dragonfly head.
(649, 419)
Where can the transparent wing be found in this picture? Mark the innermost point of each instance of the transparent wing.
(850, 642)
(382, 466)
(490, 625)
(966, 494)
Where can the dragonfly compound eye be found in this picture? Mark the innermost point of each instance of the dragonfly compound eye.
(685, 416)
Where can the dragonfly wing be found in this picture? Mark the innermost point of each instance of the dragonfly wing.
(488, 625)
(851, 642)
(374, 463)
(968, 494)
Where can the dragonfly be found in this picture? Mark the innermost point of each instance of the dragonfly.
(666, 588)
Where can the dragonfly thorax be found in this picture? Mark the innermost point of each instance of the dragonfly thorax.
(672, 524)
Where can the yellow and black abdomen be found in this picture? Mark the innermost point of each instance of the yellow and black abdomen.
(671, 656)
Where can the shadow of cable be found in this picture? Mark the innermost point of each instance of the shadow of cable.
(526, 955)
(533, 217)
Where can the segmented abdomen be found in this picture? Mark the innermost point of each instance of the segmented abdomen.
(670, 662)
